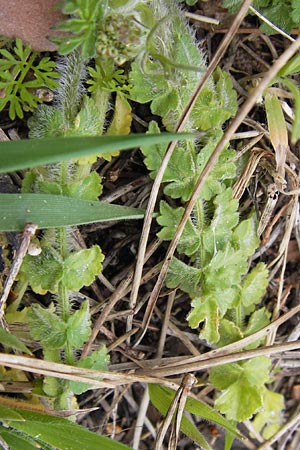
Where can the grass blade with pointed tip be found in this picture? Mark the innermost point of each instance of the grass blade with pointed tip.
(61, 433)
(49, 211)
(161, 398)
(27, 153)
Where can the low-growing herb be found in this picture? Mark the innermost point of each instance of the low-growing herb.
(22, 72)
(212, 265)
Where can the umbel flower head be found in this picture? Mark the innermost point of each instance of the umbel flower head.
(120, 39)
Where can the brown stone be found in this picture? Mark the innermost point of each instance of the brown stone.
(30, 20)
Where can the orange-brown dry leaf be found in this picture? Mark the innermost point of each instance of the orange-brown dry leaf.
(30, 20)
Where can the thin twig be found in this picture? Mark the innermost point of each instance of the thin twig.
(177, 407)
(112, 379)
(239, 345)
(29, 231)
(142, 414)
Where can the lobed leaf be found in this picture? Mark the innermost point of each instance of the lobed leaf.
(205, 310)
(268, 420)
(243, 387)
(42, 272)
(225, 218)
(240, 401)
(169, 219)
(47, 327)
(80, 268)
(97, 360)
(254, 287)
(79, 326)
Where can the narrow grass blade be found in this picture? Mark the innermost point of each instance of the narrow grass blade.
(161, 395)
(61, 433)
(49, 211)
(162, 400)
(26, 153)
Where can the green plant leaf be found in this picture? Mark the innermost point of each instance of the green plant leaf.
(98, 360)
(169, 219)
(9, 414)
(245, 236)
(80, 268)
(256, 370)
(254, 287)
(47, 327)
(18, 441)
(224, 220)
(88, 188)
(229, 332)
(205, 309)
(161, 397)
(26, 153)
(216, 102)
(258, 320)
(14, 70)
(225, 269)
(52, 211)
(186, 277)
(11, 341)
(181, 171)
(62, 434)
(79, 326)
(187, 163)
(243, 386)
(42, 272)
(269, 420)
(240, 401)
(219, 380)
